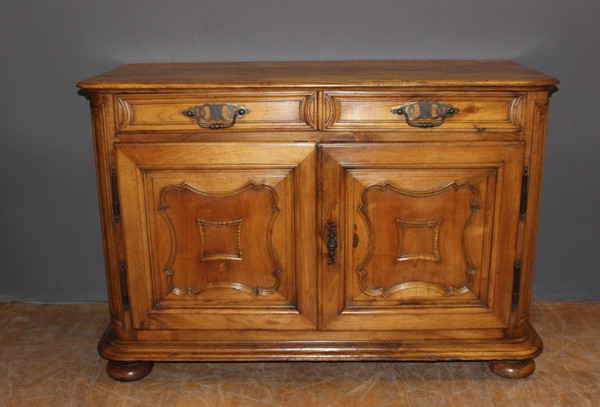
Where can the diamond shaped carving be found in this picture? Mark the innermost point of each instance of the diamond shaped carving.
(418, 239)
(220, 240)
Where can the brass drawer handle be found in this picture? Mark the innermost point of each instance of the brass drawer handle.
(216, 112)
(427, 111)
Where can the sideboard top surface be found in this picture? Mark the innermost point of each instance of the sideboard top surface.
(387, 73)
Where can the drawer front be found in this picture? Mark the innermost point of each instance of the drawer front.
(441, 111)
(274, 110)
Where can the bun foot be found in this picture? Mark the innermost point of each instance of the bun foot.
(512, 369)
(128, 371)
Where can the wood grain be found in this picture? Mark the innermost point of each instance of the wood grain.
(325, 74)
(220, 250)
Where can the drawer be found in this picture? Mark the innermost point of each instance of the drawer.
(165, 112)
(479, 112)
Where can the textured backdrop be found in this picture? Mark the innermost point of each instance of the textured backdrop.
(50, 241)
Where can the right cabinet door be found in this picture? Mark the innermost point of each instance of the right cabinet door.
(426, 235)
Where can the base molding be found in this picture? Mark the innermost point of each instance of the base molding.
(524, 348)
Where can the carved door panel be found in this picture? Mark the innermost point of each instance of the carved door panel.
(418, 234)
(217, 234)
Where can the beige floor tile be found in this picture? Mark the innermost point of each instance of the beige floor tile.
(48, 357)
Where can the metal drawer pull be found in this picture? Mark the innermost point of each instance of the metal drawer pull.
(428, 111)
(216, 112)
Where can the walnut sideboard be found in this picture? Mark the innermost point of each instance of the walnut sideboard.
(316, 211)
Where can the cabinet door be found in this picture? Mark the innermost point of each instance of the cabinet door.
(219, 235)
(427, 234)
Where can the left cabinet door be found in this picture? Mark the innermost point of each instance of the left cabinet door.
(219, 236)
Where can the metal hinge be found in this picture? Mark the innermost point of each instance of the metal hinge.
(524, 193)
(116, 207)
(516, 284)
(124, 291)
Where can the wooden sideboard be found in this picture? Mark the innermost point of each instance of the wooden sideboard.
(349, 210)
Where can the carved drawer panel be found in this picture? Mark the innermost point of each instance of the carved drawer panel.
(235, 111)
(442, 111)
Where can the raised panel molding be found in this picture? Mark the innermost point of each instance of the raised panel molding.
(233, 226)
(290, 110)
(405, 226)
(433, 255)
(169, 270)
(488, 112)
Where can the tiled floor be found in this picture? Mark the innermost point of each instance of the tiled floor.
(48, 358)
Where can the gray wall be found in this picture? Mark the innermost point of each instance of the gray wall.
(50, 242)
